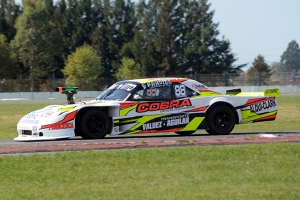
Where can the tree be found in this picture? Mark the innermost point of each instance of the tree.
(166, 41)
(37, 41)
(7, 64)
(142, 48)
(203, 51)
(115, 28)
(173, 36)
(9, 11)
(291, 57)
(128, 69)
(259, 73)
(82, 67)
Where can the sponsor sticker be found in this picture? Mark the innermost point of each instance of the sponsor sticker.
(270, 91)
(158, 83)
(263, 106)
(29, 121)
(167, 122)
(198, 86)
(161, 106)
(116, 129)
(46, 114)
(126, 86)
(58, 126)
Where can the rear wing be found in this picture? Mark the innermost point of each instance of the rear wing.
(273, 92)
(69, 92)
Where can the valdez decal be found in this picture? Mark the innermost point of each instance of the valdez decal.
(260, 107)
(153, 125)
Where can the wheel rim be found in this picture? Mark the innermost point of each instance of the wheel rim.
(96, 124)
(222, 121)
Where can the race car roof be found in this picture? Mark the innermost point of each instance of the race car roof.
(146, 80)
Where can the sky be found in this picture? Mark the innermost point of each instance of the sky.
(256, 27)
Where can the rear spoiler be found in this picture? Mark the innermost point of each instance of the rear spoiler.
(69, 92)
(273, 92)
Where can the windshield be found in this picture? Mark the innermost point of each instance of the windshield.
(118, 91)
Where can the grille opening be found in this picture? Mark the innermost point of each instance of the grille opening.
(26, 132)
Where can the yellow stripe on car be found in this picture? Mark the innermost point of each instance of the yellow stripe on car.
(193, 125)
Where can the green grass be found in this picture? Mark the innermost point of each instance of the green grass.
(287, 118)
(257, 171)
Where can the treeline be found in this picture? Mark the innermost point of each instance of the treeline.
(161, 36)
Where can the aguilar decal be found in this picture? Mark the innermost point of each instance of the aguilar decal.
(175, 122)
(155, 106)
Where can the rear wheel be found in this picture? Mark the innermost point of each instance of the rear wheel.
(94, 125)
(220, 120)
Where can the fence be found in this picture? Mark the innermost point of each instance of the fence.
(100, 84)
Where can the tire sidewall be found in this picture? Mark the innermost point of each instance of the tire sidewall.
(85, 133)
(210, 120)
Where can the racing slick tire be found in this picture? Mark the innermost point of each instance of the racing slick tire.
(220, 120)
(94, 124)
(185, 133)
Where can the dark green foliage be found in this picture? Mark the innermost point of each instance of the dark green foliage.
(37, 42)
(9, 11)
(259, 73)
(165, 37)
(291, 57)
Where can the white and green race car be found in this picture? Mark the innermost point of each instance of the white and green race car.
(150, 105)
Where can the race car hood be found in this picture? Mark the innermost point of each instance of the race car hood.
(53, 117)
(53, 111)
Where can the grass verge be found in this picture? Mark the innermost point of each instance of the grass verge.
(256, 171)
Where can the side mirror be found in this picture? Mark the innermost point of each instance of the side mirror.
(69, 92)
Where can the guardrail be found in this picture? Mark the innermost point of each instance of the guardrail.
(94, 94)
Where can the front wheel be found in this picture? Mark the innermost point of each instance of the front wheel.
(220, 120)
(95, 124)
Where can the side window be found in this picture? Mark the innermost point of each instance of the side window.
(179, 91)
(182, 91)
(154, 93)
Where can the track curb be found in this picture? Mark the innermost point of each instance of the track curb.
(182, 142)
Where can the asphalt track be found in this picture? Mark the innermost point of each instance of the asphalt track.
(8, 147)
